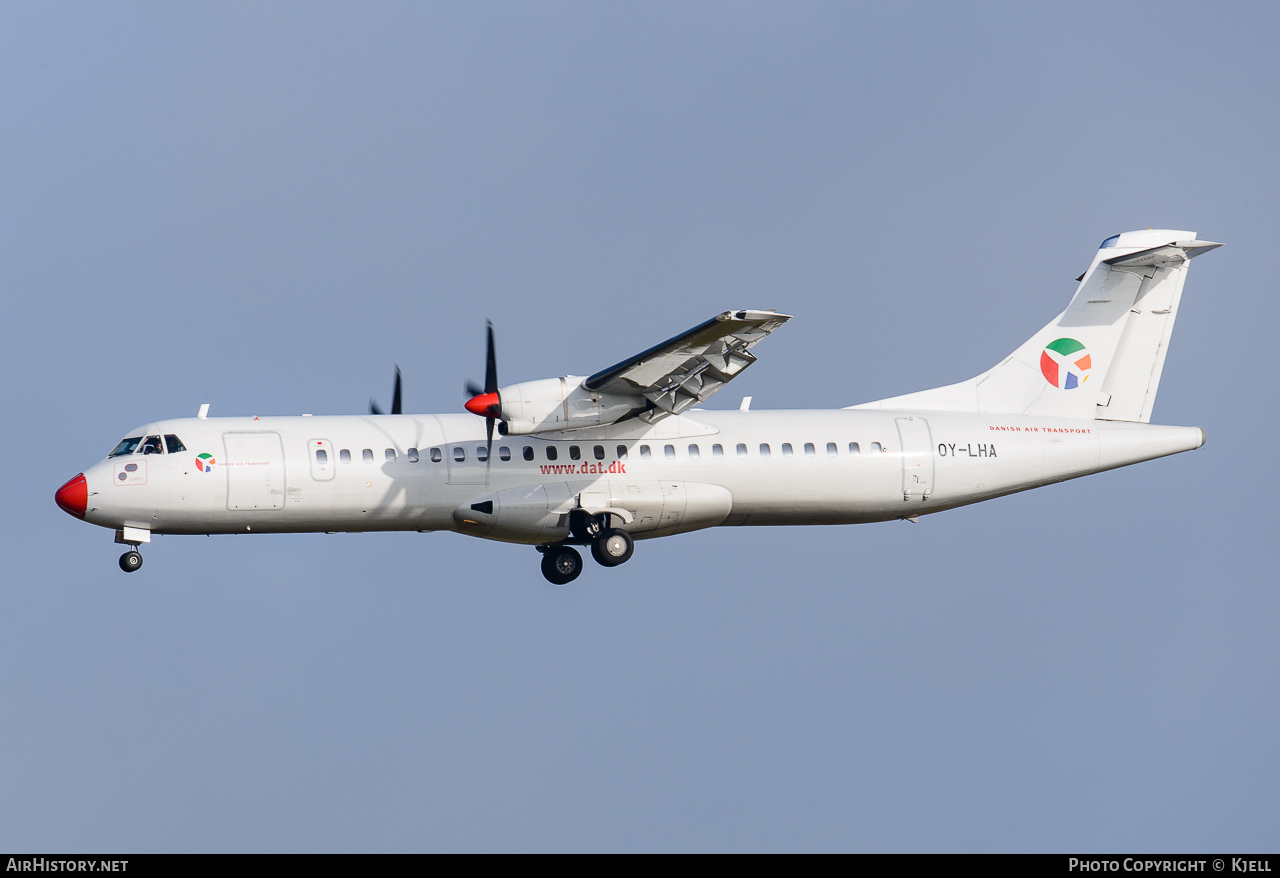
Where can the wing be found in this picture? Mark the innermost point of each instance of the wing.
(689, 368)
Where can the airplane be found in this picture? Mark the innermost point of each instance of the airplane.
(628, 454)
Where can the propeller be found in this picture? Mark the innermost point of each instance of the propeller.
(395, 399)
(485, 401)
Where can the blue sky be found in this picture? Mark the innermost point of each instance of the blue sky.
(267, 206)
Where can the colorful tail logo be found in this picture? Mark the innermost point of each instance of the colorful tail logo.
(1065, 363)
(205, 462)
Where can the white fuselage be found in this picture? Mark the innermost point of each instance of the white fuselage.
(683, 473)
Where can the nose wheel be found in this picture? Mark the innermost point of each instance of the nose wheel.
(130, 561)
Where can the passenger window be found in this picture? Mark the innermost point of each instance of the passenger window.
(344, 455)
(575, 453)
(504, 453)
(390, 455)
(644, 452)
(152, 446)
(717, 451)
(832, 449)
(854, 449)
(126, 446)
(552, 453)
(693, 452)
(322, 456)
(741, 450)
(809, 450)
(598, 451)
(764, 449)
(436, 455)
(669, 452)
(786, 449)
(528, 453)
(876, 446)
(482, 453)
(622, 452)
(413, 455)
(459, 454)
(367, 454)
(173, 444)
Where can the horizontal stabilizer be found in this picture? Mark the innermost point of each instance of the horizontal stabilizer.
(1167, 255)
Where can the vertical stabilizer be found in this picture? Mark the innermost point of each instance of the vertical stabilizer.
(1101, 357)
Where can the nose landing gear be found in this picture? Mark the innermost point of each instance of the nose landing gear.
(133, 537)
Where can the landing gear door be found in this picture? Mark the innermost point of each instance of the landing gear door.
(917, 458)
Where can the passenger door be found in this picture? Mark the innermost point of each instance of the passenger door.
(917, 458)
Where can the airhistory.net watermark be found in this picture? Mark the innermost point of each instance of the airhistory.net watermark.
(40, 864)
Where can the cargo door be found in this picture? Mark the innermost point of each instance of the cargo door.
(255, 470)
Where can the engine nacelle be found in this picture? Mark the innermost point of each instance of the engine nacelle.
(560, 404)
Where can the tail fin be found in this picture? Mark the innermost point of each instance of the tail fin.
(1100, 358)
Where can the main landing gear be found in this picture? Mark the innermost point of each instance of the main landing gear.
(612, 547)
(562, 564)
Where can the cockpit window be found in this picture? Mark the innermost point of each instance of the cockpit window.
(173, 443)
(1109, 243)
(126, 446)
(152, 446)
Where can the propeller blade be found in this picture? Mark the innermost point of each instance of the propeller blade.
(490, 362)
(373, 407)
(395, 399)
(485, 401)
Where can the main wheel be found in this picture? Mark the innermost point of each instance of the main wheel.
(130, 561)
(561, 565)
(613, 547)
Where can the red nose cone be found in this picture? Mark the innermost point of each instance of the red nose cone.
(486, 405)
(73, 497)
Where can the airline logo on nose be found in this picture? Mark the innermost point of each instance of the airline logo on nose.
(1065, 363)
(205, 462)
